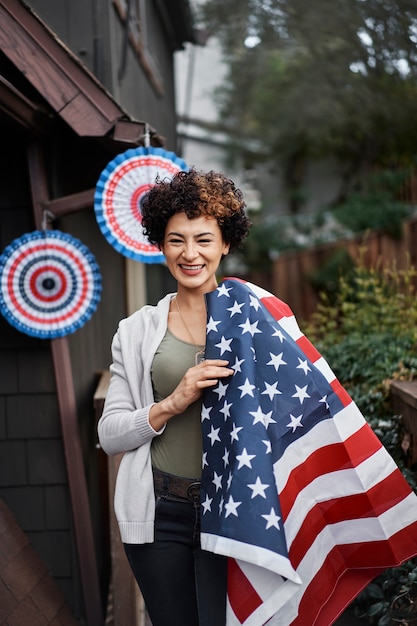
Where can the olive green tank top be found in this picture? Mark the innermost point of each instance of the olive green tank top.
(179, 449)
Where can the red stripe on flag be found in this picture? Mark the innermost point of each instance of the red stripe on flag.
(319, 597)
(243, 598)
(377, 555)
(347, 588)
(276, 307)
(357, 506)
(335, 457)
(341, 393)
(309, 350)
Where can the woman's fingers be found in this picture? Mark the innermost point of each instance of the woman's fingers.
(218, 365)
(190, 388)
(197, 378)
(209, 371)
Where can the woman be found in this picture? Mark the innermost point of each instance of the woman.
(153, 405)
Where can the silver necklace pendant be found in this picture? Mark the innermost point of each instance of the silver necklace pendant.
(200, 357)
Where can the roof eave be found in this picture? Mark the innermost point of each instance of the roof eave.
(65, 83)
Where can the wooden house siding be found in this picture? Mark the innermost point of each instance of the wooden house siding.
(95, 31)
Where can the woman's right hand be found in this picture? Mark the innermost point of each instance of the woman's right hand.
(190, 388)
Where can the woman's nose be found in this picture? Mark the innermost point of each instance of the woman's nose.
(190, 250)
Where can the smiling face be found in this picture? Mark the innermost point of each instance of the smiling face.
(193, 249)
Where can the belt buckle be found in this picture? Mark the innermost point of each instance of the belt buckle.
(193, 491)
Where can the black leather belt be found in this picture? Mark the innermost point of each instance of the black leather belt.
(187, 488)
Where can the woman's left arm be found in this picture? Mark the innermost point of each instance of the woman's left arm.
(124, 425)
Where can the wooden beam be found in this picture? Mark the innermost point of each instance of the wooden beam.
(77, 482)
(27, 113)
(70, 204)
(69, 423)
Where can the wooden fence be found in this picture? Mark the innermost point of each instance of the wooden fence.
(291, 275)
(404, 403)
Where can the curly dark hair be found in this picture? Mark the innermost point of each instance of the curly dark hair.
(196, 193)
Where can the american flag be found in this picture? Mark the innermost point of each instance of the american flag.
(297, 490)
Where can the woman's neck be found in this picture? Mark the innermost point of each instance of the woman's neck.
(190, 301)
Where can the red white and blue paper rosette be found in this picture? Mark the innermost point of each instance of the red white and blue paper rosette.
(119, 192)
(50, 284)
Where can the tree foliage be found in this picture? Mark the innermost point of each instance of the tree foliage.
(330, 77)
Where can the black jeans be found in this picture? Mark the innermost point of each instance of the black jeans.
(181, 584)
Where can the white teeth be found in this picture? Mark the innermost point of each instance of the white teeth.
(191, 267)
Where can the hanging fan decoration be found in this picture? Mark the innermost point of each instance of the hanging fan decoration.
(119, 192)
(50, 284)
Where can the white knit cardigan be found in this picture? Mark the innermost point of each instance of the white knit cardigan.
(124, 425)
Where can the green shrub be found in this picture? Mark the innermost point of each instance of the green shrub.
(374, 211)
(367, 331)
(326, 279)
(375, 205)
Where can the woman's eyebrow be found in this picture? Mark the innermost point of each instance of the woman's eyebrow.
(174, 234)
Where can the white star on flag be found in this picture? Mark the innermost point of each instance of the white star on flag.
(258, 488)
(214, 435)
(221, 389)
(217, 481)
(260, 416)
(295, 422)
(245, 459)
(231, 507)
(212, 325)
(221, 503)
(237, 364)
(222, 290)
(272, 520)
(224, 345)
(226, 409)
(205, 412)
(276, 360)
(254, 302)
(303, 365)
(278, 333)
(271, 390)
(268, 445)
(301, 393)
(324, 401)
(247, 389)
(268, 419)
(247, 327)
(236, 308)
(234, 433)
(207, 504)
